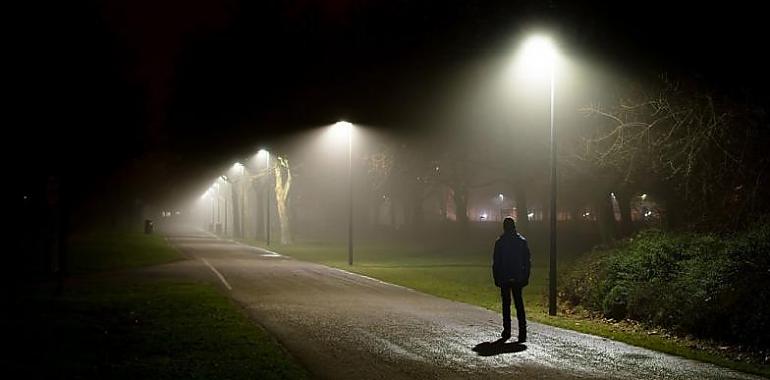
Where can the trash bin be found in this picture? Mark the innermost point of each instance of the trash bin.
(147, 226)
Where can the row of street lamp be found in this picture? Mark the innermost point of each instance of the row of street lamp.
(342, 129)
(538, 53)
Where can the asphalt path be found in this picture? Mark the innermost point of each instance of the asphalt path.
(342, 325)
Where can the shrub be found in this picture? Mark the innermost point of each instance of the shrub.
(615, 304)
(700, 284)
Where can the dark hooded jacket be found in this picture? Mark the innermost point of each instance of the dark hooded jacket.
(511, 261)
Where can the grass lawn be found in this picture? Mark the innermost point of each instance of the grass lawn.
(127, 327)
(112, 251)
(463, 273)
(155, 330)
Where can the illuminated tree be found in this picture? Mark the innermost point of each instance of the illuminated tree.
(282, 172)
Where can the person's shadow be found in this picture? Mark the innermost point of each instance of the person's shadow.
(498, 347)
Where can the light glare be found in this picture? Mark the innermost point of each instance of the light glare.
(538, 53)
(342, 129)
(535, 60)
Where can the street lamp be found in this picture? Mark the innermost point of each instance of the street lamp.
(345, 129)
(539, 53)
(264, 153)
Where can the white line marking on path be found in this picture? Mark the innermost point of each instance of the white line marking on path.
(218, 274)
(268, 254)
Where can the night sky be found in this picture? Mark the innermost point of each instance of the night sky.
(153, 96)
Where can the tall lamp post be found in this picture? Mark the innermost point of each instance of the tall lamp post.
(540, 53)
(345, 129)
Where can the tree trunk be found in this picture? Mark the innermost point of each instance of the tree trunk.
(443, 207)
(415, 208)
(624, 203)
(282, 187)
(461, 204)
(392, 212)
(522, 217)
(236, 213)
(259, 203)
(375, 212)
(605, 217)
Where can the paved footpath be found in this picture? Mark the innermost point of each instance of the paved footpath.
(342, 325)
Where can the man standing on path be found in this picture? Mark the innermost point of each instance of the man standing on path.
(510, 269)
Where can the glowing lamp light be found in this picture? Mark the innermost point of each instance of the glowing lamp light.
(342, 129)
(538, 53)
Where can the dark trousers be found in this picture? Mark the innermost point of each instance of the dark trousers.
(505, 294)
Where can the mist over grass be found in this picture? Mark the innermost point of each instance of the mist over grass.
(445, 262)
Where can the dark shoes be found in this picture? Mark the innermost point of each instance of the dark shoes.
(522, 335)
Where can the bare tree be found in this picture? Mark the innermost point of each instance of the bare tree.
(700, 156)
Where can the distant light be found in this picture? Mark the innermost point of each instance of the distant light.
(501, 196)
(262, 154)
(177, 213)
(644, 196)
(612, 195)
(531, 215)
(484, 216)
